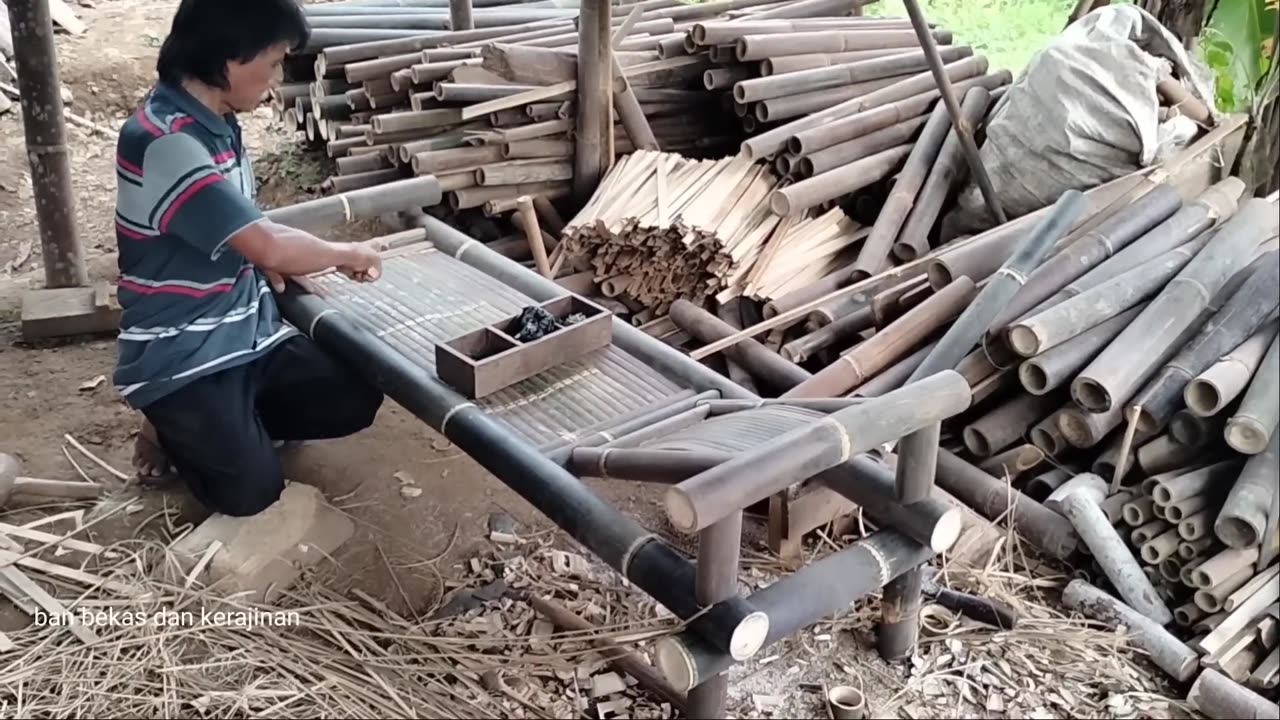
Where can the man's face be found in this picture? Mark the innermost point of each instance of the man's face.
(250, 82)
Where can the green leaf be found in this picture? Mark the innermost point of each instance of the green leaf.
(1240, 29)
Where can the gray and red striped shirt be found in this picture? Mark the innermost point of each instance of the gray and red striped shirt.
(192, 305)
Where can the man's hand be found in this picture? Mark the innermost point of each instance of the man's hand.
(276, 279)
(363, 264)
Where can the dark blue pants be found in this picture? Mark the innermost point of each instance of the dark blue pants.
(218, 431)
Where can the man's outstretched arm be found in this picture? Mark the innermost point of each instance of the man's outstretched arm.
(288, 251)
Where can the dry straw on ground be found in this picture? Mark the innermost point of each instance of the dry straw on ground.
(492, 655)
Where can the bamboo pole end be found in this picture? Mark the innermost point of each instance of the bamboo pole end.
(1091, 395)
(676, 663)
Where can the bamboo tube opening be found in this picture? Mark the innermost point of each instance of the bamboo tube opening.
(806, 167)
(1208, 601)
(1091, 395)
(1193, 528)
(1104, 467)
(847, 703)
(1236, 532)
(1188, 615)
(906, 252)
(1075, 428)
(1203, 397)
(1022, 339)
(1200, 578)
(977, 441)
(1246, 435)
(1151, 554)
(1033, 378)
(615, 286)
(1162, 494)
(1148, 532)
(783, 164)
(1133, 515)
(939, 275)
(766, 67)
(1047, 441)
(1171, 569)
(680, 510)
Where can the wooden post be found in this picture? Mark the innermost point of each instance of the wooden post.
(460, 15)
(533, 232)
(963, 131)
(36, 60)
(595, 78)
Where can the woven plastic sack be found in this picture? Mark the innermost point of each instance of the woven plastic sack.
(1084, 112)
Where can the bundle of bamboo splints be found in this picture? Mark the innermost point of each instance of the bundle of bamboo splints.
(1124, 357)
(663, 227)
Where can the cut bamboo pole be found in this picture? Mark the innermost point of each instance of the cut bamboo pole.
(1073, 317)
(875, 254)
(759, 47)
(833, 76)
(1244, 516)
(885, 347)
(929, 42)
(1110, 236)
(1253, 423)
(967, 331)
(912, 234)
(1211, 391)
(1165, 650)
(829, 186)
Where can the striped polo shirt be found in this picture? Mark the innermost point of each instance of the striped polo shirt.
(192, 305)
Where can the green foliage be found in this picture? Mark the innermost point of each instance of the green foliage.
(1239, 44)
(1008, 32)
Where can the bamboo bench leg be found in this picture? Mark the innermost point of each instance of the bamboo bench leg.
(718, 553)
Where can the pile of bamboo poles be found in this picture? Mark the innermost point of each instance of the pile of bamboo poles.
(1124, 358)
(489, 111)
(381, 86)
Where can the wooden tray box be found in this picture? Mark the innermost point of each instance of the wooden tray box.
(483, 362)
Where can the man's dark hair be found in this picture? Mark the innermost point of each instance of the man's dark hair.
(207, 34)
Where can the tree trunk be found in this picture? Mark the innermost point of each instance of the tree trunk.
(1184, 18)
